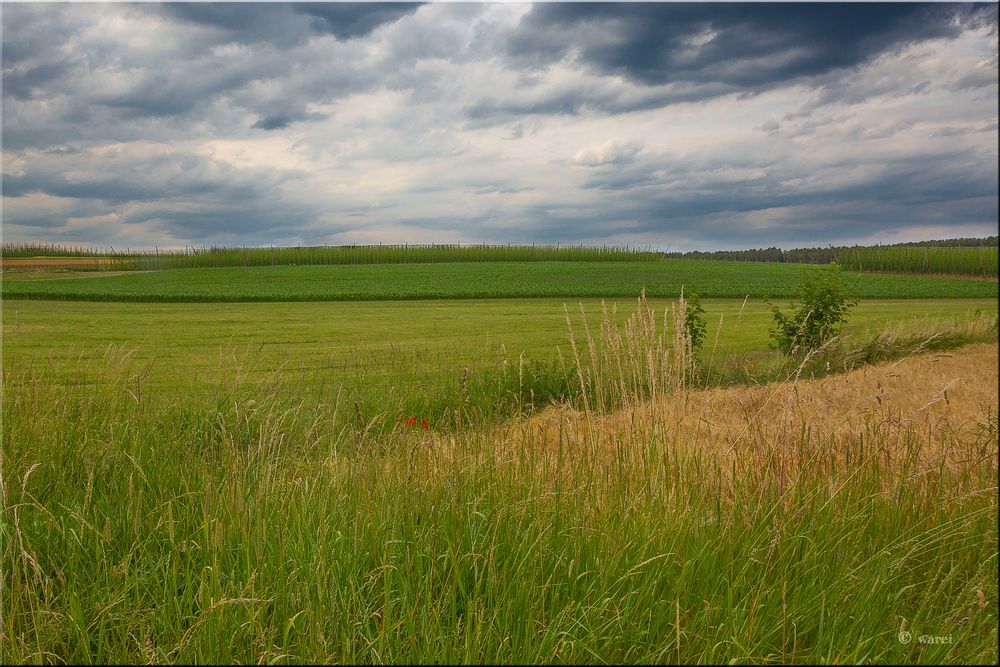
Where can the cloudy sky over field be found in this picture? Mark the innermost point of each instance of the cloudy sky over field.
(690, 126)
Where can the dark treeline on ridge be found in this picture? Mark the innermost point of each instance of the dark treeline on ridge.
(963, 256)
(827, 254)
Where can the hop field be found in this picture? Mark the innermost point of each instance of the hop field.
(976, 259)
(216, 257)
(956, 257)
(981, 262)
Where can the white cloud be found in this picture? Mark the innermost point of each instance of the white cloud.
(610, 152)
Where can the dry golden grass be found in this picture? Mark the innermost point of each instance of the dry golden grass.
(938, 410)
(944, 397)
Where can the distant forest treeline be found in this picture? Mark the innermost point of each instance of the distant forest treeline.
(824, 255)
(965, 257)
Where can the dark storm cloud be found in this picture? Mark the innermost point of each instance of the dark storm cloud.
(705, 185)
(745, 46)
(31, 81)
(255, 56)
(276, 122)
(593, 96)
(288, 23)
(241, 22)
(187, 196)
(42, 220)
(670, 195)
(681, 53)
(228, 219)
(122, 189)
(30, 47)
(349, 20)
(28, 31)
(64, 81)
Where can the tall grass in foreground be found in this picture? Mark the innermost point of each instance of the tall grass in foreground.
(258, 529)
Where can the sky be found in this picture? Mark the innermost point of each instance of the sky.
(680, 126)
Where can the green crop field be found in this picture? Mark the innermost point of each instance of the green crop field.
(479, 280)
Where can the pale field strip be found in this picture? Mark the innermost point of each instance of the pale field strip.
(941, 406)
(940, 398)
(49, 263)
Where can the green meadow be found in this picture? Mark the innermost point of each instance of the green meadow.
(327, 344)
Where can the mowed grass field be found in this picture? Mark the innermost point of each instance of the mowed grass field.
(399, 344)
(237, 482)
(480, 280)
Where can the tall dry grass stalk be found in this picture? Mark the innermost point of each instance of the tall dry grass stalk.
(632, 361)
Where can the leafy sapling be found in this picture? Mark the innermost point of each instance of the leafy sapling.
(819, 314)
(694, 322)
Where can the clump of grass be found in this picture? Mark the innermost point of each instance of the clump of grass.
(633, 361)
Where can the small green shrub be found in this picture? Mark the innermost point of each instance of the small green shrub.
(694, 322)
(818, 316)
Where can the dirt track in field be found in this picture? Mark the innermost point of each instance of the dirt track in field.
(50, 263)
